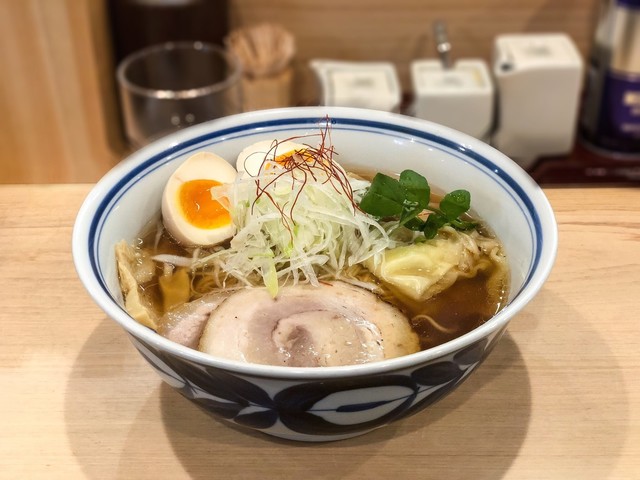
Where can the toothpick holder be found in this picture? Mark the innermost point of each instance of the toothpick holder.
(272, 91)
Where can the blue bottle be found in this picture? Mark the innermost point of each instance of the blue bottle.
(610, 120)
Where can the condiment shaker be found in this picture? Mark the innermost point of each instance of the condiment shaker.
(538, 80)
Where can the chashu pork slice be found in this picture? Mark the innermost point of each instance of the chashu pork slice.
(306, 326)
(184, 324)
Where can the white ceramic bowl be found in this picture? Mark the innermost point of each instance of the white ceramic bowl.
(317, 404)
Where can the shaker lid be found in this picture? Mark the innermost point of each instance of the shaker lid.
(464, 77)
(531, 51)
(372, 85)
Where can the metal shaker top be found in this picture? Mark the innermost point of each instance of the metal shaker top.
(618, 33)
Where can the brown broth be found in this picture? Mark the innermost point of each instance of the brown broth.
(464, 306)
(457, 310)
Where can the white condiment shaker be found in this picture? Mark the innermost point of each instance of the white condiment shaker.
(538, 80)
(456, 95)
(372, 85)
(460, 96)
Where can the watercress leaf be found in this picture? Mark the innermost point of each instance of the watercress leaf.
(414, 224)
(408, 196)
(463, 224)
(455, 203)
(416, 187)
(409, 216)
(434, 222)
(384, 198)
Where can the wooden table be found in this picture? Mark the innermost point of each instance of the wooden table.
(559, 398)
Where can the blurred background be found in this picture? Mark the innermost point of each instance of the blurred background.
(59, 102)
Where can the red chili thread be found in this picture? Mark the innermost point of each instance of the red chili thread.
(305, 163)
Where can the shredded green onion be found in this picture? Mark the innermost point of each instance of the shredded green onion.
(292, 230)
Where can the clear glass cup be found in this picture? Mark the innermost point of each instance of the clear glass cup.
(174, 85)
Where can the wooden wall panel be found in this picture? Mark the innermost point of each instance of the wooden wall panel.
(58, 121)
(58, 108)
(400, 30)
(29, 120)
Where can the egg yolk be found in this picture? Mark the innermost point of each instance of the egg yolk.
(199, 208)
(286, 157)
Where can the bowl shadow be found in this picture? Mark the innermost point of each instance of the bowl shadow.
(153, 425)
(442, 430)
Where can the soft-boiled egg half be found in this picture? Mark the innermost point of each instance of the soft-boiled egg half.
(190, 213)
(261, 157)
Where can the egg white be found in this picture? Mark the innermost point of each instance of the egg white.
(200, 166)
(252, 157)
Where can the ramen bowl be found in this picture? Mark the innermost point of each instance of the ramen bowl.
(321, 403)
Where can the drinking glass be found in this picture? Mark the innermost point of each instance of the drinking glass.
(174, 85)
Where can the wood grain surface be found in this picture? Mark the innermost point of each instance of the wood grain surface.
(558, 398)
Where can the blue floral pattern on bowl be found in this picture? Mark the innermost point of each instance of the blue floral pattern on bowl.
(333, 409)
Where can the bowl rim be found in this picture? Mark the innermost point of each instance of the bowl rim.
(174, 143)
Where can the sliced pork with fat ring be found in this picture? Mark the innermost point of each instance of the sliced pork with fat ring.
(306, 326)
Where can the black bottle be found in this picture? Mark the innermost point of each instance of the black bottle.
(136, 24)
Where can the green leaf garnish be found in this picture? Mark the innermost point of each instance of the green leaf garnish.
(463, 224)
(416, 188)
(434, 222)
(455, 204)
(384, 198)
(409, 196)
(414, 224)
(410, 214)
